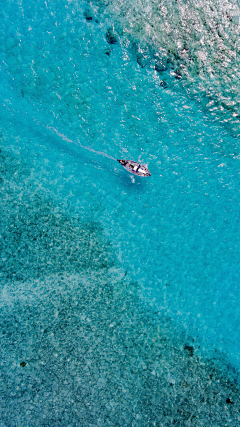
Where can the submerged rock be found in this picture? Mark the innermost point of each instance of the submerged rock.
(142, 59)
(189, 349)
(108, 52)
(177, 74)
(163, 84)
(160, 66)
(111, 37)
(88, 14)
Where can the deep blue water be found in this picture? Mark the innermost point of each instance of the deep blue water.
(75, 224)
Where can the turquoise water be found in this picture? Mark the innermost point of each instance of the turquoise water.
(120, 295)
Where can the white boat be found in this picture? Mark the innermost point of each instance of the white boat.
(134, 167)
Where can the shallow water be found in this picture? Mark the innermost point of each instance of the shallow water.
(119, 294)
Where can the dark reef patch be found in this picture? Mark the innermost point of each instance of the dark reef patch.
(95, 353)
(38, 238)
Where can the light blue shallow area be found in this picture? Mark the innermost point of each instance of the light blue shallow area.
(176, 233)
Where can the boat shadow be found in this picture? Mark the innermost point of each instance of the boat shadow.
(131, 182)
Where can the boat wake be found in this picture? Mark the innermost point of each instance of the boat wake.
(85, 147)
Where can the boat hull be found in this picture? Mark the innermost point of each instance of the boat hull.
(135, 168)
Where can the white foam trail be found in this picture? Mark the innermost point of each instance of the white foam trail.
(65, 138)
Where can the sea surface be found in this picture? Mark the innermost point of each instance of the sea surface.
(120, 295)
